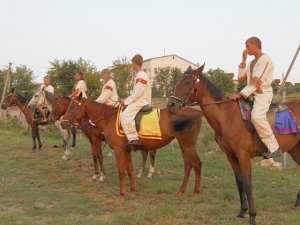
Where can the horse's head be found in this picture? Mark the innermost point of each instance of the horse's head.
(186, 90)
(10, 100)
(75, 112)
(59, 104)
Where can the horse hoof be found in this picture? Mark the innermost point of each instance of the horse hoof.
(122, 200)
(65, 158)
(101, 178)
(196, 193)
(252, 220)
(94, 177)
(241, 215)
(150, 176)
(179, 194)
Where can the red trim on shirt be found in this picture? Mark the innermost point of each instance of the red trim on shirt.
(141, 80)
(108, 88)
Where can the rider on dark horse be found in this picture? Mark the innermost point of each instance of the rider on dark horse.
(259, 76)
(39, 101)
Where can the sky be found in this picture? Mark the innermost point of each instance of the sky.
(34, 32)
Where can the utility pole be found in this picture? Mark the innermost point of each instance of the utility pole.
(6, 83)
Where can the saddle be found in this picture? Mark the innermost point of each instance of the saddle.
(146, 122)
(147, 109)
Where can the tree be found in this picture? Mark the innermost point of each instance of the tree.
(62, 76)
(122, 76)
(164, 81)
(222, 80)
(21, 79)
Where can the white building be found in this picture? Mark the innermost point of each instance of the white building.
(173, 61)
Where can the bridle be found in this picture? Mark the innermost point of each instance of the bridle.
(193, 94)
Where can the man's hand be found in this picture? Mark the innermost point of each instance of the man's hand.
(121, 101)
(243, 63)
(235, 97)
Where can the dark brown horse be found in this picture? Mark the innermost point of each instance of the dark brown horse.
(17, 99)
(238, 143)
(184, 127)
(59, 106)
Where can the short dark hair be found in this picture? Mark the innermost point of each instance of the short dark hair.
(80, 73)
(255, 40)
(137, 59)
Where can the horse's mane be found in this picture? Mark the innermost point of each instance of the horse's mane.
(217, 93)
(23, 99)
(53, 97)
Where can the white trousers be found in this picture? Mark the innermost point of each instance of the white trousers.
(128, 122)
(261, 106)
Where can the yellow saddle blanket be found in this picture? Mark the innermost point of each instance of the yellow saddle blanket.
(149, 125)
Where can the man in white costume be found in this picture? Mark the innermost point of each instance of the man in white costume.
(39, 100)
(80, 86)
(140, 96)
(109, 95)
(259, 76)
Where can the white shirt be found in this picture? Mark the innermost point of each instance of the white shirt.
(82, 88)
(109, 94)
(263, 70)
(48, 88)
(141, 93)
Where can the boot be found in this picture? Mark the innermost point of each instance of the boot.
(268, 154)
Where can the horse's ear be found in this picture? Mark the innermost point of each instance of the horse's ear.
(199, 71)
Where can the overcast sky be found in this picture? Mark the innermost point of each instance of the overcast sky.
(33, 32)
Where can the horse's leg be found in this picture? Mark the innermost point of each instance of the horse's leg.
(74, 132)
(130, 172)
(100, 159)
(246, 179)
(239, 182)
(187, 169)
(152, 162)
(38, 137)
(33, 135)
(143, 163)
(197, 166)
(295, 154)
(122, 166)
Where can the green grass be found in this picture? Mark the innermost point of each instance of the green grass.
(41, 189)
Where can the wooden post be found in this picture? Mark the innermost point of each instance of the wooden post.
(6, 84)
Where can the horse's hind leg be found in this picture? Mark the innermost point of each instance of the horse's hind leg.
(38, 137)
(74, 133)
(143, 163)
(33, 135)
(152, 162)
(295, 153)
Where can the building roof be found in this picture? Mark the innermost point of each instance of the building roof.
(165, 56)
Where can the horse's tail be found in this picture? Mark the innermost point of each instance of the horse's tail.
(182, 123)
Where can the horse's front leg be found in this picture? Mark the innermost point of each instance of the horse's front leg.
(152, 162)
(143, 164)
(130, 172)
(246, 180)
(122, 166)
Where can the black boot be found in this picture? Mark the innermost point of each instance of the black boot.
(268, 154)
(135, 145)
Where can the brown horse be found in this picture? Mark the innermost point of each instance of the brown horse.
(184, 127)
(238, 143)
(17, 99)
(59, 106)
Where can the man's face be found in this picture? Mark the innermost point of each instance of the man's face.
(77, 77)
(46, 81)
(105, 76)
(135, 67)
(251, 48)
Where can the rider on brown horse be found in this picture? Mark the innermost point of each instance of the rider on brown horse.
(109, 94)
(140, 97)
(259, 76)
(80, 86)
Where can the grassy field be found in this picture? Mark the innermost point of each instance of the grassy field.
(41, 189)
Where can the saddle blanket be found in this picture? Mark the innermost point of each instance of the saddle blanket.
(285, 123)
(149, 125)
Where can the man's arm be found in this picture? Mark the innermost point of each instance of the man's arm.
(138, 90)
(257, 76)
(105, 95)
